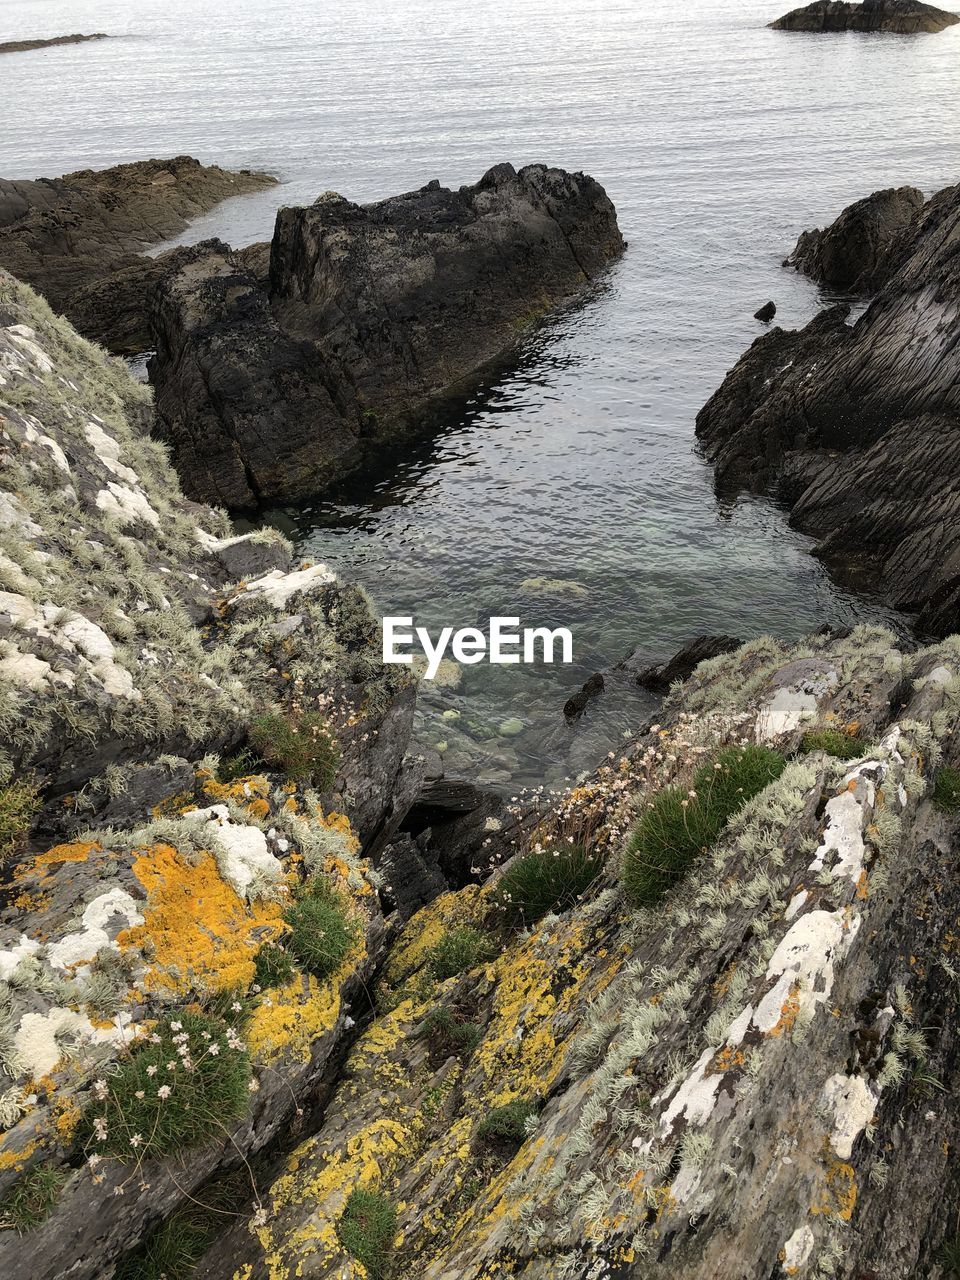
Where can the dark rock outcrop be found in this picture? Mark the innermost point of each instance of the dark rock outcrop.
(902, 17)
(78, 239)
(575, 706)
(681, 666)
(766, 312)
(23, 46)
(371, 316)
(862, 249)
(858, 427)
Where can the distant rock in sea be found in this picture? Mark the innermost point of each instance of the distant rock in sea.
(902, 17)
(269, 390)
(23, 46)
(78, 239)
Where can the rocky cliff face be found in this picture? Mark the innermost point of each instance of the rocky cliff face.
(149, 881)
(370, 316)
(901, 17)
(78, 239)
(858, 427)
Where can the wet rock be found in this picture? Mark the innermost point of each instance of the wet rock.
(902, 17)
(78, 239)
(659, 678)
(858, 427)
(766, 312)
(574, 707)
(862, 249)
(372, 315)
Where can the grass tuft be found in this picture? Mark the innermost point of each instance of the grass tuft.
(30, 1200)
(320, 932)
(834, 742)
(507, 1124)
(680, 824)
(552, 880)
(449, 1034)
(177, 1088)
(173, 1250)
(459, 950)
(274, 966)
(302, 747)
(946, 790)
(18, 806)
(367, 1230)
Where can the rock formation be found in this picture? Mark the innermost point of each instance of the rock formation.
(78, 239)
(857, 427)
(862, 249)
(902, 17)
(23, 46)
(583, 1055)
(371, 316)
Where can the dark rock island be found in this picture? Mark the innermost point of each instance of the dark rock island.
(271, 385)
(79, 238)
(857, 427)
(24, 46)
(902, 17)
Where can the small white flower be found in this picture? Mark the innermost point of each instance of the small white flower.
(164, 1091)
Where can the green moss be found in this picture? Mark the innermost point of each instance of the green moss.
(553, 880)
(30, 1200)
(507, 1123)
(320, 932)
(367, 1230)
(239, 765)
(845, 746)
(459, 950)
(18, 807)
(154, 1104)
(300, 747)
(681, 823)
(173, 1250)
(275, 968)
(946, 788)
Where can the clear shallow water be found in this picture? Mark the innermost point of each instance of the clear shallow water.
(718, 140)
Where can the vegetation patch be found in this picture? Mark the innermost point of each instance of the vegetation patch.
(174, 1249)
(505, 1128)
(30, 1200)
(367, 1230)
(450, 1033)
(549, 880)
(946, 790)
(239, 765)
(18, 806)
(459, 950)
(321, 934)
(835, 742)
(680, 824)
(179, 1086)
(301, 746)
(274, 966)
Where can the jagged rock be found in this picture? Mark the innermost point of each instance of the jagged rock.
(766, 312)
(858, 427)
(23, 46)
(903, 17)
(77, 239)
(373, 314)
(575, 706)
(862, 249)
(736, 1082)
(659, 678)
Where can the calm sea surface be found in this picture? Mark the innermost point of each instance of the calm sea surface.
(569, 492)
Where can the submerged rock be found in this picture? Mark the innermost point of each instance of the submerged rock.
(660, 678)
(862, 249)
(78, 239)
(903, 17)
(372, 315)
(858, 427)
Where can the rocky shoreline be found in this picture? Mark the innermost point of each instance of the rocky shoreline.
(899, 17)
(272, 984)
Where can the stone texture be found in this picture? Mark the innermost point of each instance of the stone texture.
(49, 42)
(862, 249)
(78, 239)
(371, 316)
(902, 17)
(857, 427)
